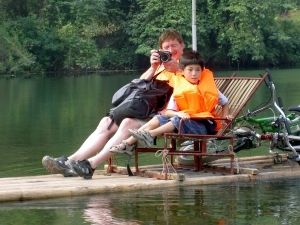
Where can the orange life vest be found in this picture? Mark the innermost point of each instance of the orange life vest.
(197, 100)
(166, 75)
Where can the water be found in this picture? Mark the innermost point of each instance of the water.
(54, 115)
(268, 203)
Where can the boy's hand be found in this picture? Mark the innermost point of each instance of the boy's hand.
(228, 117)
(184, 116)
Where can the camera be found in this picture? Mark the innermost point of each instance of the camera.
(165, 56)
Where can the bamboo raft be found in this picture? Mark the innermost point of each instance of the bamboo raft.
(53, 186)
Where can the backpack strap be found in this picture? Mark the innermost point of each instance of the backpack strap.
(111, 122)
(155, 75)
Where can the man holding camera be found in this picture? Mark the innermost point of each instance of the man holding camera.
(166, 59)
(164, 64)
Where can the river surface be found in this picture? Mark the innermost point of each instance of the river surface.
(53, 115)
(259, 203)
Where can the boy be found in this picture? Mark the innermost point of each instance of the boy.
(195, 95)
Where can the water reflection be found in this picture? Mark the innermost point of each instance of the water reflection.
(100, 210)
(269, 203)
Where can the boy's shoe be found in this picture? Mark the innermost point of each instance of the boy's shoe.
(83, 168)
(58, 166)
(142, 136)
(128, 149)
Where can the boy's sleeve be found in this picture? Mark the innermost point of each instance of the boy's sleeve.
(222, 100)
(172, 105)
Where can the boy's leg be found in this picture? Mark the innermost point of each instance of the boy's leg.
(127, 146)
(152, 124)
(146, 135)
(166, 128)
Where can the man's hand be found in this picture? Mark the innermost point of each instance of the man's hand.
(171, 66)
(154, 59)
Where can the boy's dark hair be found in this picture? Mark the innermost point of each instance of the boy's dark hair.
(171, 34)
(191, 57)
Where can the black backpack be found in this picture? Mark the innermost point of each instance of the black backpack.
(139, 99)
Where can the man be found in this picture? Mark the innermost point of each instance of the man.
(170, 40)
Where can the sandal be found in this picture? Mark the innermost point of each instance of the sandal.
(118, 148)
(143, 136)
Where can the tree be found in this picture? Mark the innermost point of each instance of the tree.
(148, 18)
(55, 35)
(245, 29)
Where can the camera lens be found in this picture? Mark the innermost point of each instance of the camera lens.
(165, 56)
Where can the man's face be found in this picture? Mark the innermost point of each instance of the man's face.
(174, 47)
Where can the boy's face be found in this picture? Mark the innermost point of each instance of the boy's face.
(192, 73)
(173, 46)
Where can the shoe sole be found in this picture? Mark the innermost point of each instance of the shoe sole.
(51, 166)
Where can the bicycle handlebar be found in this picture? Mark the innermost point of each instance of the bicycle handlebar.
(280, 106)
(269, 76)
(280, 103)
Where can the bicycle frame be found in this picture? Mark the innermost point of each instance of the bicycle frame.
(277, 129)
(269, 125)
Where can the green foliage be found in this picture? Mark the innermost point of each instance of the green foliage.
(80, 49)
(288, 42)
(246, 30)
(40, 41)
(55, 35)
(148, 18)
(88, 20)
(14, 57)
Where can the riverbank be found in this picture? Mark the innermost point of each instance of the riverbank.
(54, 186)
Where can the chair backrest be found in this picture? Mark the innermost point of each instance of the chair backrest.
(238, 90)
(222, 82)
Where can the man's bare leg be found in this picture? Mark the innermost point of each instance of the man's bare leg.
(93, 144)
(120, 135)
(96, 141)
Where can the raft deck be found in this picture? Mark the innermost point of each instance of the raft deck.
(248, 169)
